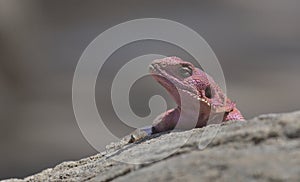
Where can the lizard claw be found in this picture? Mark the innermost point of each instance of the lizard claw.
(140, 134)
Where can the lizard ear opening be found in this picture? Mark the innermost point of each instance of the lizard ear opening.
(208, 92)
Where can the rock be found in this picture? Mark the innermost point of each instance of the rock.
(265, 148)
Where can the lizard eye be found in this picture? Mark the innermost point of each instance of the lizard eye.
(185, 71)
(208, 93)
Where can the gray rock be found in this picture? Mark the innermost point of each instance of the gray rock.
(266, 148)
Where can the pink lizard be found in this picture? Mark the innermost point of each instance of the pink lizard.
(192, 89)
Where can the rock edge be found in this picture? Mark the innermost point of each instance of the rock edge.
(265, 148)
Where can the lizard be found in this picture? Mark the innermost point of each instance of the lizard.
(191, 88)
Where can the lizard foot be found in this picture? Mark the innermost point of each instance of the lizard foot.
(138, 134)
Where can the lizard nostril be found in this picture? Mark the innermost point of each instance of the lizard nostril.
(208, 93)
(163, 64)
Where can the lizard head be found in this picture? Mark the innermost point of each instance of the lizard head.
(178, 76)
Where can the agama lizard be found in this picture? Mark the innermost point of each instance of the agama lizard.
(183, 80)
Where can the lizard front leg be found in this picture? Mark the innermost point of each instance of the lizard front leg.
(164, 122)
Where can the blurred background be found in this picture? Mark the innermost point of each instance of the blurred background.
(257, 43)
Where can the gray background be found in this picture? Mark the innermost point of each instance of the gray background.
(257, 43)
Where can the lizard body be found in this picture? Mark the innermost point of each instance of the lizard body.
(191, 88)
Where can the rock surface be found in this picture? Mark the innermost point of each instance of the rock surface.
(265, 148)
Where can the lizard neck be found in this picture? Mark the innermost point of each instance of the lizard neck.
(193, 113)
